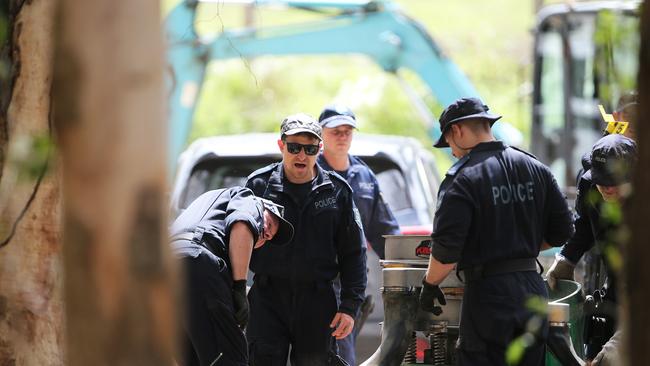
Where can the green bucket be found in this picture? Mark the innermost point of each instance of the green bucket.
(570, 293)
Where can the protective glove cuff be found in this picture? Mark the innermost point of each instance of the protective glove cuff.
(239, 285)
(434, 291)
(429, 286)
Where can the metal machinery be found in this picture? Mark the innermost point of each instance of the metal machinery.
(374, 28)
(412, 336)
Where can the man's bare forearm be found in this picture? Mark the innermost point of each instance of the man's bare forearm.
(240, 249)
(437, 271)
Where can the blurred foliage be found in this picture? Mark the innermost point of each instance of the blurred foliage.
(254, 95)
(537, 304)
(616, 62)
(517, 348)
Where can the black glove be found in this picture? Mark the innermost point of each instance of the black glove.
(240, 302)
(428, 294)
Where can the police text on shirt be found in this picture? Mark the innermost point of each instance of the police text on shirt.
(505, 194)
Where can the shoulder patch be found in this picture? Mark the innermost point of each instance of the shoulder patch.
(262, 170)
(523, 152)
(458, 165)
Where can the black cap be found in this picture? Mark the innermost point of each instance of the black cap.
(612, 159)
(285, 229)
(300, 123)
(337, 115)
(463, 109)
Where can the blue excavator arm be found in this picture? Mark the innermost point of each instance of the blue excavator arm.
(377, 29)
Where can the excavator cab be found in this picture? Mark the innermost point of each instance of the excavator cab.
(585, 55)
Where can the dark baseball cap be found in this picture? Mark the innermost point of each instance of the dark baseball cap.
(336, 115)
(285, 229)
(300, 123)
(460, 110)
(612, 160)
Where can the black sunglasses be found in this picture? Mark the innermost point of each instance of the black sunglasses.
(294, 148)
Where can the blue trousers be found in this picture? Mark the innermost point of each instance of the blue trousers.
(347, 345)
(292, 316)
(209, 327)
(494, 313)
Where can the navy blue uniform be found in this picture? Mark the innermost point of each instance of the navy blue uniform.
(497, 204)
(376, 216)
(292, 300)
(592, 229)
(377, 221)
(200, 237)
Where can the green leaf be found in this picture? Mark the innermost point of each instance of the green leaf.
(517, 348)
(515, 351)
(537, 304)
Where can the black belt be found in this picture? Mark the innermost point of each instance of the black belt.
(267, 280)
(200, 240)
(500, 267)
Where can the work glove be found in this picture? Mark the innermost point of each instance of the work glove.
(427, 296)
(240, 302)
(561, 269)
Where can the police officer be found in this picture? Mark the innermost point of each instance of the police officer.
(606, 183)
(214, 238)
(338, 123)
(292, 299)
(497, 207)
(625, 111)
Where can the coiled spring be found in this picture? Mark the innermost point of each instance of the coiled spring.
(438, 341)
(411, 351)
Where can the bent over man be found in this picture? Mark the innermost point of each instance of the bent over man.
(497, 206)
(214, 238)
(292, 299)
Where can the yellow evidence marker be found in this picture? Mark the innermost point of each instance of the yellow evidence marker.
(613, 126)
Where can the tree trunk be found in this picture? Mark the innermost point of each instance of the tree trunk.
(109, 116)
(637, 274)
(30, 267)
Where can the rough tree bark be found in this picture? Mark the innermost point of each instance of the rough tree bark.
(109, 117)
(30, 267)
(637, 270)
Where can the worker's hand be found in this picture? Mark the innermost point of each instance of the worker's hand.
(240, 302)
(609, 355)
(343, 323)
(561, 269)
(428, 295)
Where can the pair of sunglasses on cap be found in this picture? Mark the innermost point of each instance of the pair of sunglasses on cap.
(294, 148)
